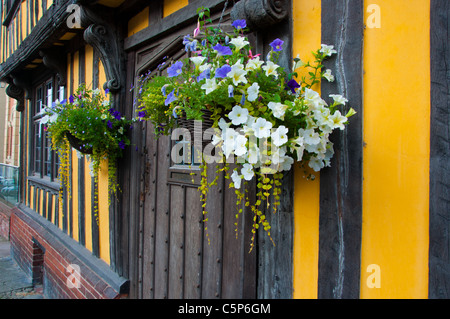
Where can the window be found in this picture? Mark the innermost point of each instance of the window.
(44, 160)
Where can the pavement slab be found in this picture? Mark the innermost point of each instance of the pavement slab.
(14, 283)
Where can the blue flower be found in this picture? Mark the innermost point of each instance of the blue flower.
(175, 69)
(189, 45)
(230, 91)
(142, 114)
(71, 99)
(106, 91)
(222, 50)
(204, 75)
(122, 144)
(239, 24)
(276, 45)
(243, 99)
(170, 98)
(109, 124)
(293, 85)
(223, 71)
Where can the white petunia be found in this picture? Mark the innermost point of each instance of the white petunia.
(204, 67)
(313, 99)
(223, 124)
(327, 50)
(338, 99)
(238, 115)
(237, 74)
(310, 136)
(253, 92)
(297, 64)
(236, 179)
(254, 64)
(316, 164)
(277, 155)
(197, 60)
(327, 75)
(216, 139)
(210, 85)
(240, 145)
(279, 137)
(253, 154)
(239, 42)
(298, 146)
(229, 142)
(262, 128)
(278, 109)
(271, 69)
(338, 120)
(44, 120)
(286, 163)
(247, 171)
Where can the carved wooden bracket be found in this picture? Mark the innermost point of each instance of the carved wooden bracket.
(17, 93)
(19, 89)
(105, 37)
(260, 14)
(56, 61)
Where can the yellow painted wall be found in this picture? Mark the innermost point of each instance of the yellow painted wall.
(396, 152)
(89, 59)
(171, 6)
(138, 22)
(307, 38)
(103, 195)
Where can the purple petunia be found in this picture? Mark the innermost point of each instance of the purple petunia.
(170, 98)
(109, 124)
(222, 50)
(276, 45)
(223, 71)
(204, 75)
(239, 24)
(293, 85)
(122, 144)
(175, 69)
(115, 114)
(142, 114)
(71, 99)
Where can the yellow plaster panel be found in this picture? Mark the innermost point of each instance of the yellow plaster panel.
(307, 37)
(138, 22)
(103, 194)
(396, 153)
(171, 6)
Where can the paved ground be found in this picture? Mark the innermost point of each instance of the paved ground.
(14, 283)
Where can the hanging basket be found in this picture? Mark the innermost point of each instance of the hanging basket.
(78, 144)
(197, 130)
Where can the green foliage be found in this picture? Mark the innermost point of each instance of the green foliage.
(100, 130)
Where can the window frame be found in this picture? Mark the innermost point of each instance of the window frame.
(47, 169)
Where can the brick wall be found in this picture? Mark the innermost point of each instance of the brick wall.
(66, 270)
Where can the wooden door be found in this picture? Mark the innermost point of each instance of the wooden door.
(165, 250)
(175, 255)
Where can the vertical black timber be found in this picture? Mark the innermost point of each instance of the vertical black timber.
(439, 256)
(94, 186)
(341, 185)
(275, 260)
(81, 184)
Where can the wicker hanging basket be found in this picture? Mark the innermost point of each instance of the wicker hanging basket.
(197, 131)
(77, 144)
